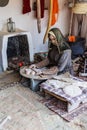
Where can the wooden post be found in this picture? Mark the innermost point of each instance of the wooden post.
(71, 20)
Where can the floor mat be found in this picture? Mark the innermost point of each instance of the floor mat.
(60, 108)
(9, 79)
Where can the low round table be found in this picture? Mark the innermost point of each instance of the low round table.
(35, 80)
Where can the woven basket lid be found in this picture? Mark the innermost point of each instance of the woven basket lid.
(3, 3)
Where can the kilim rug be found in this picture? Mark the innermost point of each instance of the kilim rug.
(60, 108)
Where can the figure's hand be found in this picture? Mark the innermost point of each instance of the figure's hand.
(38, 72)
(32, 66)
(52, 70)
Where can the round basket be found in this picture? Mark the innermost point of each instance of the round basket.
(3, 3)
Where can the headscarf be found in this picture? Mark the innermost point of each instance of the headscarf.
(61, 42)
(57, 33)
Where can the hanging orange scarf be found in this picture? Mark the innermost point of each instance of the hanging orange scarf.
(55, 12)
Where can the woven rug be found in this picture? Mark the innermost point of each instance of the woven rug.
(60, 108)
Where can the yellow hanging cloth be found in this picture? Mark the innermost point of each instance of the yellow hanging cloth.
(55, 12)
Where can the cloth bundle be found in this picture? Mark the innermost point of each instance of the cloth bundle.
(26, 6)
(55, 11)
(80, 8)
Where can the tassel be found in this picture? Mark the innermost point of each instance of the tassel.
(26, 6)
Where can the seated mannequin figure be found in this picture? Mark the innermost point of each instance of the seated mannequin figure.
(59, 54)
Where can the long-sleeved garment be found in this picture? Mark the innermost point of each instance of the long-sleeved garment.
(60, 54)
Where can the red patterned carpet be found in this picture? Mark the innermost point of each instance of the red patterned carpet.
(60, 108)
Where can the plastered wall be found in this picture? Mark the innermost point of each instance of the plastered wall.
(28, 21)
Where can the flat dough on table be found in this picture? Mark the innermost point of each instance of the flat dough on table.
(82, 84)
(29, 71)
(72, 91)
(56, 83)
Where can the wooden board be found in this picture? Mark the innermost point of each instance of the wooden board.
(70, 107)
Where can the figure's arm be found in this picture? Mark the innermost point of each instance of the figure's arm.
(43, 63)
(53, 70)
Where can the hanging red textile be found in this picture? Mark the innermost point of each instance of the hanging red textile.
(55, 12)
(42, 8)
(26, 6)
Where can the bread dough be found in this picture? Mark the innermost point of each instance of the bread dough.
(72, 90)
(27, 71)
(32, 73)
(82, 84)
(56, 84)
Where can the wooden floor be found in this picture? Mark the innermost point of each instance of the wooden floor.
(25, 110)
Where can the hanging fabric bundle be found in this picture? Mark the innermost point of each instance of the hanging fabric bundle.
(55, 12)
(42, 8)
(80, 8)
(26, 6)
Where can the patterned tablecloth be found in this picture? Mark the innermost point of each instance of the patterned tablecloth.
(59, 91)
